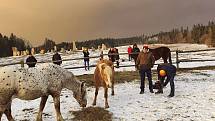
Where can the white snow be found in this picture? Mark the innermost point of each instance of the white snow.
(194, 97)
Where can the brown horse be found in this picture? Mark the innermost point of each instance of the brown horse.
(104, 76)
(162, 52)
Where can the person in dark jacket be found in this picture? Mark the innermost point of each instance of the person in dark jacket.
(145, 61)
(56, 58)
(31, 61)
(111, 55)
(134, 54)
(167, 71)
(86, 59)
(116, 57)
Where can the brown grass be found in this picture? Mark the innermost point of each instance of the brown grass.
(129, 76)
(92, 114)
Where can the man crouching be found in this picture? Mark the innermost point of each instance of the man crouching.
(167, 71)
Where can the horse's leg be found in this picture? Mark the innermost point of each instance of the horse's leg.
(106, 96)
(96, 93)
(165, 59)
(1, 114)
(42, 105)
(56, 99)
(7, 112)
(112, 88)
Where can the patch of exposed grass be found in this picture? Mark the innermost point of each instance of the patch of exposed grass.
(129, 76)
(92, 114)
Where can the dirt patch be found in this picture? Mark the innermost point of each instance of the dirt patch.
(92, 114)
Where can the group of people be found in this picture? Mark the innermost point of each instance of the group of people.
(144, 62)
(31, 60)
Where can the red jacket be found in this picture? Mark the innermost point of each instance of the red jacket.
(129, 50)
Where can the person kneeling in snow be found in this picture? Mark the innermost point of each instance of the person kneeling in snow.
(167, 71)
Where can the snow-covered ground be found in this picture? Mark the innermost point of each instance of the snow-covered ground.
(194, 97)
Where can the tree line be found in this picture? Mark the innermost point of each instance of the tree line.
(199, 33)
(6, 44)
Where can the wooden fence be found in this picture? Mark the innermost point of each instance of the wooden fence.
(177, 61)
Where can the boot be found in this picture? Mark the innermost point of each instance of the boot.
(151, 90)
(142, 91)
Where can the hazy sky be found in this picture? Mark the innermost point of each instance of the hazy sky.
(67, 20)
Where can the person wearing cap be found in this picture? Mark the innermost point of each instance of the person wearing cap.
(167, 71)
(145, 61)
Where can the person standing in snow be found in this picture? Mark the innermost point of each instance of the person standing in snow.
(134, 54)
(129, 53)
(167, 71)
(145, 61)
(86, 59)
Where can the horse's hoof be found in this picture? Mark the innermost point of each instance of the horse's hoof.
(94, 104)
(112, 94)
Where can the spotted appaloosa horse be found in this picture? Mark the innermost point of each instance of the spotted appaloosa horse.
(162, 52)
(104, 76)
(40, 81)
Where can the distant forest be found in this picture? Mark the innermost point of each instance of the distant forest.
(199, 33)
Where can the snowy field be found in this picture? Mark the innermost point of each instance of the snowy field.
(194, 97)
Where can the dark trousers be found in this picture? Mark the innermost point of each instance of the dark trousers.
(86, 65)
(170, 80)
(129, 57)
(148, 73)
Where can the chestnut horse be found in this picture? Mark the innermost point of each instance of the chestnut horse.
(162, 52)
(104, 76)
(36, 82)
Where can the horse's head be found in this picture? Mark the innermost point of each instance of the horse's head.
(80, 95)
(106, 73)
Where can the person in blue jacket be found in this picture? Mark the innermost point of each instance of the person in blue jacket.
(166, 71)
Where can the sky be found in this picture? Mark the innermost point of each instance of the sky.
(69, 20)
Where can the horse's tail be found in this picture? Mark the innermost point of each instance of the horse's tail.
(170, 60)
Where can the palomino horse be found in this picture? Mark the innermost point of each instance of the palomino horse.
(104, 76)
(162, 52)
(32, 83)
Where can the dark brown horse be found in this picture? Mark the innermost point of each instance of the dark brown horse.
(162, 52)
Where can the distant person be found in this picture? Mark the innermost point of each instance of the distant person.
(56, 58)
(113, 55)
(134, 54)
(101, 55)
(31, 61)
(129, 53)
(167, 71)
(86, 59)
(145, 61)
(116, 57)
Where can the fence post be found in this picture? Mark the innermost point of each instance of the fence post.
(177, 60)
(22, 63)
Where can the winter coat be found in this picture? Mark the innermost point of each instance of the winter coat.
(31, 61)
(129, 50)
(168, 68)
(145, 60)
(135, 52)
(57, 57)
(86, 55)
